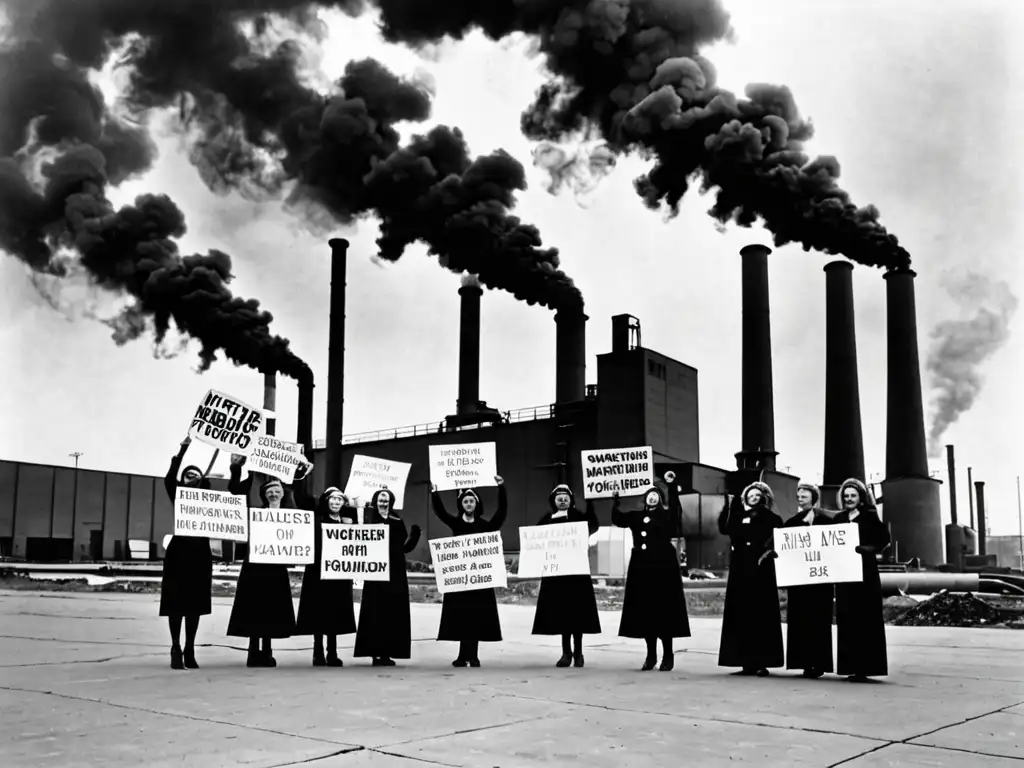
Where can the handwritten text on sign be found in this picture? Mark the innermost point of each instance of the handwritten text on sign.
(276, 458)
(470, 465)
(554, 550)
(368, 475)
(281, 536)
(226, 423)
(817, 554)
(210, 514)
(355, 550)
(630, 471)
(465, 563)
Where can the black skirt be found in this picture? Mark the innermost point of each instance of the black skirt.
(809, 627)
(566, 606)
(187, 577)
(752, 621)
(385, 622)
(263, 604)
(654, 604)
(325, 605)
(470, 615)
(860, 628)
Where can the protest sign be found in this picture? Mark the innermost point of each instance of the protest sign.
(226, 423)
(469, 465)
(276, 458)
(817, 554)
(630, 471)
(368, 475)
(281, 536)
(465, 563)
(554, 550)
(210, 514)
(355, 550)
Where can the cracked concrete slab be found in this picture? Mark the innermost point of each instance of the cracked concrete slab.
(107, 684)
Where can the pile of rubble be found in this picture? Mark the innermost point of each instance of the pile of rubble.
(952, 610)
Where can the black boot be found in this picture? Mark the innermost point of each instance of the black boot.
(268, 653)
(566, 659)
(332, 652)
(577, 651)
(255, 658)
(318, 652)
(652, 654)
(176, 660)
(190, 658)
(462, 660)
(473, 653)
(668, 657)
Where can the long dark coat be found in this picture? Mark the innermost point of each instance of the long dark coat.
(654, 604)
(187, 578)
(860, 624)
(566, 604)
(752, 624)
(325, 605)
(471, 615)
(385, 621)
(809, 614)
(263, 605)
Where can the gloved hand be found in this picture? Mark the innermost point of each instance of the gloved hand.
(863, 549)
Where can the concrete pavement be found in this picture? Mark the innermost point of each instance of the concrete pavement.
(85, 681)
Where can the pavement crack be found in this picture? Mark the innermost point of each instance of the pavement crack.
(192, 718)
(462, 732)
(424, 760)
(309, 760)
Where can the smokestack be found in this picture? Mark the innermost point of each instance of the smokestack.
(913, 507)
(304, 430)
(982, 535)
(270, 399)
(570, 355)
(336, 361)
(758, 396)
(970, 493)
(844, 439)
(951, 466)
(469, 346)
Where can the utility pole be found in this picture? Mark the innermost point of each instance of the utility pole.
(74, 502)
(1020, 527)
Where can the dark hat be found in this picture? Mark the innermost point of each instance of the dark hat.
(191, 468)
(814, 490)
(562, 488)
(658, 488)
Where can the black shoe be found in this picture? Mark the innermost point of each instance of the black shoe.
(762, 672)
(460, 663)
(176, 660)
(668, 662)
(190, 659)
(565, 661)
(649, 663)
(254, 660)
(318, 659)
(334, 661)
(745, 672)
(474, 662)
(813, 674)
(577, 660)
(857, 679)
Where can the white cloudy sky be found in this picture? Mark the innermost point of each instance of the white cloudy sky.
(919, 101)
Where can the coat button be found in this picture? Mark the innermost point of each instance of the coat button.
(647, 519)
(643, 546)
(643, 533)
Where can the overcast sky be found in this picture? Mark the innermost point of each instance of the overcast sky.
(918, 100)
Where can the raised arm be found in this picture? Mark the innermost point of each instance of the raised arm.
(438, 506)
(728, 510)
(498, 519)
(171, 478)
(620, 519)
(413, 540)
(591, 517)
(300, 490)
(236, 484)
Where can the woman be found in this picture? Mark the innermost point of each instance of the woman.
(470, 617)
(860, 625)
(325, 605)
(809, 607)
(188, 572)
(654, 606)
(752, 624)
(566, 605)
(263, 606)
(385, 624)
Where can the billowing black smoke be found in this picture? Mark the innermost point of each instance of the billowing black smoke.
(255, 125)
(631, 69)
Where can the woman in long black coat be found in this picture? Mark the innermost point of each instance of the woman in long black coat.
(385, 623)
(566, 605)
(187, 573)
(263, 606)
(471, 617)
(752, 624)
(809, 606)
(654, 606)
(860, 624)
(325, 605)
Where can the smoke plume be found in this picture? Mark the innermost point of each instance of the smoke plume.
(631, 70)
(580, 168)
(960, 347)
(255, 125)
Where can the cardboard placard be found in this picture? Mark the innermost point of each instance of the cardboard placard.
(466, 563)
(227, 424)
(351, 551)
(630, 471)
(368, 475)
(818, 554)
(466, 465)
(281, 536)
(561, 549)
(210, 514)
